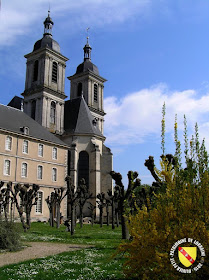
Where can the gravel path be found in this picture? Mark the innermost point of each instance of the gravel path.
(37, 250)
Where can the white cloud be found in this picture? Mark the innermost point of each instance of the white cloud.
(21, 17)
(138, 115)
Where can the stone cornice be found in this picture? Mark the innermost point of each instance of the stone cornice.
(40, 88)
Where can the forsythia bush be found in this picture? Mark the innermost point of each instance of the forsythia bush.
(180, 211)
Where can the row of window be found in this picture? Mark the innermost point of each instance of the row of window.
(80, 90)
(24, 170)
(8, 147)
(38, 206)
(36, 68)
(52, 111)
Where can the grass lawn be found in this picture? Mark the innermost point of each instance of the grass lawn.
(89, 264)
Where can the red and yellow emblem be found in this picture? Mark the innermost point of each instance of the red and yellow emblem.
(187, 255)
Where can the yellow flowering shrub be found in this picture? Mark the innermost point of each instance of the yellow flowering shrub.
(181, 211)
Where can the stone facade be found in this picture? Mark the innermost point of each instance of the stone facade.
(78, 123)
(20, 163)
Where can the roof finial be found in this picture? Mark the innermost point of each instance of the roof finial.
(49, 10)
(87, 30)
(48, 23)
(87, 48)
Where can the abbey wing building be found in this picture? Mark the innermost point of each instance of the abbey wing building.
(45, 137)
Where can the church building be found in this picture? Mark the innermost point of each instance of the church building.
(76, 125)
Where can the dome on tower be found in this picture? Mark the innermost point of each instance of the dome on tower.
(87, 64)
(47, 40)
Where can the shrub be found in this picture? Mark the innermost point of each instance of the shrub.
(180, 211)
(9, 236)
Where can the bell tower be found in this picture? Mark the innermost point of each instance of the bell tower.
(87, 82)
(45, 81)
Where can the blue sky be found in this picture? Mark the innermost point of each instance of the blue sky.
(150, 51)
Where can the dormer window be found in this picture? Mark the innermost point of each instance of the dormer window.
(25, 130)
(54, 72)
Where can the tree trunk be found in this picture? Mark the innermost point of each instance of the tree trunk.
(92, 219)
(113, 214)
(58, 215)
(50, 217)
(125, 232)
(52, 220)
(117, 218)
(101, 216)
(81, 216)
(75, 216)
(28, 220)
(108, 216)
(5, 213)
(72, 219)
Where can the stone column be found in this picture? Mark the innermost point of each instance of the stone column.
(102, 90)
(89, 93)
(74, 164)
(95, 174)
(50, 72)
(61, 118)
(59, 77)
(46, 71)
(63, 78)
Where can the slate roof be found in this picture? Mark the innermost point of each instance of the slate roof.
(12, 119)
(78, 118)
(86, 66)
(16, 102)
(47, 41)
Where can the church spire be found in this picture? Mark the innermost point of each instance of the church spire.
(48, 23)
(87, 48)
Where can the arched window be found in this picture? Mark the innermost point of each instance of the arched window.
(54, 174)
(83, 167)
(53, 112)
(7, 166)
(39, 204)
(54, 72)
(95, 93)
(33, 109)
(8, 145)
(35, 71)
(79, 90)
(40, 172)
(54, 153)
(24, 169)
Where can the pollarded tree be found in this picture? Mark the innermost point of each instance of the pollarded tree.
(6, 201)
(113, 200)
(82, 196)
(101, 204)
(92, 208)
(72, 200)
(124, 197)
(51, 203)
(60, 194)
(28, 198)
(108, 203)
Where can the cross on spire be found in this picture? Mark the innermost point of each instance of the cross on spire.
(87, 49)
